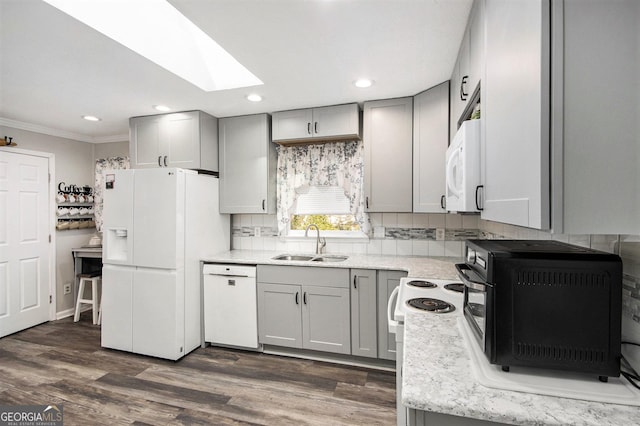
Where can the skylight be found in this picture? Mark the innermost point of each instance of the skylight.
(160, 33)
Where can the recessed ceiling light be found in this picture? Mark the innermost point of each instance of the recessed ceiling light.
(91, 118)
(169, 39)
(363, 83)
(162, 108)
(254, 97)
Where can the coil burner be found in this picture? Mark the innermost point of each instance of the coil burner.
(421, 284)
(431, 305)
(455, 287)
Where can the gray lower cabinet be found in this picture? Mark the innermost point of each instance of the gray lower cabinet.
(279, 315)
(364, 318)
(387, 281)
(304, 307)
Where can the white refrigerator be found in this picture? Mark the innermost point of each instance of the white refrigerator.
(158, 225)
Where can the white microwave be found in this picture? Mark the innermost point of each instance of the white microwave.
(463, 168)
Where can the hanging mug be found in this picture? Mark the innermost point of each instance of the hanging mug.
(60, 198)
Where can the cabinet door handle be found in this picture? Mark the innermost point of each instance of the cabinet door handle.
(366, 202)
(309, 127)
(165, 161)
(159, 160)
(443, 202)
(355, 279)
(297, 298)
(263, 203)
(477, 198)
(463, 94)
(315, 127)
(304, 297)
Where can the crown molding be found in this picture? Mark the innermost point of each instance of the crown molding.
(21, 125)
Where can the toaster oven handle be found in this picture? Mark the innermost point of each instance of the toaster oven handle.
(476, 285)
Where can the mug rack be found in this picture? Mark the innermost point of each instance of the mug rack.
(75, 207)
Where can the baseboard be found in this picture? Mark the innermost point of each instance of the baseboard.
(70, 312)
(356, 361)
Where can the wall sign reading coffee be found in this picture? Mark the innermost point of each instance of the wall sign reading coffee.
(75, 207)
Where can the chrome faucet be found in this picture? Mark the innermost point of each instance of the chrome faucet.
(320, 242)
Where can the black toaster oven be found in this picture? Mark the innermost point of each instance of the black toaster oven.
(543, 303)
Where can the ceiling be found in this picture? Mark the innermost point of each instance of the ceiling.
(54, 69)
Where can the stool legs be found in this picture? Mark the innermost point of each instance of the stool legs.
(76, 317)
(94, 301)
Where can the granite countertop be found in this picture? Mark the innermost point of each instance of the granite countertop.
(416, 266)
(438, 377)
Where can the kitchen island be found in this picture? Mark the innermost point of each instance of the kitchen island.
(438, 378)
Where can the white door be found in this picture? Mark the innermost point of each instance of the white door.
(158, 218)
(24, 241)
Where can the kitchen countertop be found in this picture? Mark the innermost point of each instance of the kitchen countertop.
(438, 378)
(416, 266)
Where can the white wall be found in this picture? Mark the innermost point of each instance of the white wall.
(74, 164)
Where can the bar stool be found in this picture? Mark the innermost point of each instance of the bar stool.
(94, 278)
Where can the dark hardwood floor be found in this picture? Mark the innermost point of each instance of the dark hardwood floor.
(62, 362)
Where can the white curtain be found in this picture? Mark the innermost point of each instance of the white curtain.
(328, 164)
(113, 163)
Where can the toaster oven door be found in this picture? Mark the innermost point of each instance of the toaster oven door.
(475, 303)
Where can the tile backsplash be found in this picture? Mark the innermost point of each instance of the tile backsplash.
(403, 234)
(440, 234)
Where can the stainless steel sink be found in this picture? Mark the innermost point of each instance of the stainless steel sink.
(306, 258)
(329, 258)
(303, 258)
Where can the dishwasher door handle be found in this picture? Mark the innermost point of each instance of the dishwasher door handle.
(226, 276)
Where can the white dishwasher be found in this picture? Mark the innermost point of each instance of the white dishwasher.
(230, 305)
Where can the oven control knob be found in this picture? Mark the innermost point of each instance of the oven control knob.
(471, 256)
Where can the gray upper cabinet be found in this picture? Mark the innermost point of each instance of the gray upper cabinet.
(596, 111)
(184, 139)
(515, 111)
(561, 152)
(430, 140)
(467, 71)
(339, 122)
(247, 165)
(387, 281)
(388, 149)
(364, 321)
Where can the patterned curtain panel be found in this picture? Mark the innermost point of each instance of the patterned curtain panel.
(328, 164)
(113, 163)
